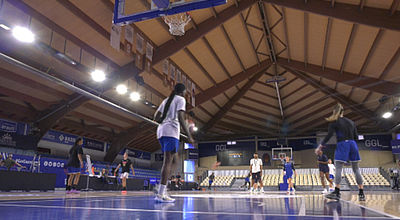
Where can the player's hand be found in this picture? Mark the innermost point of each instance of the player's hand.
(319, 149)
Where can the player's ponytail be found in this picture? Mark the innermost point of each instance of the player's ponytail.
(337, 112)
(179, 88)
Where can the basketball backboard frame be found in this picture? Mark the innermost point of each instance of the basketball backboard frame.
(279, 151)
(174, 8)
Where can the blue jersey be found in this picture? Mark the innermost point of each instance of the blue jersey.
(288, 167)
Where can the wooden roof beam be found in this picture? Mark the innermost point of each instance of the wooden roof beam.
(221, 113)
(359, 108)
(368, 83)
(229, 83)
(171, 47)
(368, 16)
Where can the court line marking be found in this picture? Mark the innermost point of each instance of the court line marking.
(371, 209)
(181, 212)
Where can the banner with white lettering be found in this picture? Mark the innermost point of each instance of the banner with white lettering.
(395, 146)
(211, 149)
(60, 138)
(375, 142)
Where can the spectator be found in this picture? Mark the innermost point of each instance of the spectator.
(247, 182)
(210, 180)
(1, 160)
(104, 176)
(9, 162)
(178, 181)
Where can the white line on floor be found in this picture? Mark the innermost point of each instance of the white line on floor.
(180, 212)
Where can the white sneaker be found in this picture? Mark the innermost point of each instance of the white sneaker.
(293, 191)
(164, 198)
(325, 191)
(262, 190)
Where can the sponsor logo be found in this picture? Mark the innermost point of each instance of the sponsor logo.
(220, 147)
(374, 143)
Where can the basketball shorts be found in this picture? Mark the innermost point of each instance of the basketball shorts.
(256, 177)
(289, 175)
(124, 175)
(74, 170)
(347, 151)
(169, 144)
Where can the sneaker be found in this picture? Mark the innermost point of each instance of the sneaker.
(164, 199)
(76, 191)
(333, 195)
(361, 197)
(288, 192)
(331, 189)
(262, 190)
(293, 191)
(324, 191)
(69, 192)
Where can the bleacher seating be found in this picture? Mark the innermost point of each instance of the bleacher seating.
(305, 177)
(371, 177)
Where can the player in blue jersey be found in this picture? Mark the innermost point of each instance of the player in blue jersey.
(289, 170)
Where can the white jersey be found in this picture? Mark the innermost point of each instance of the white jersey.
(332, 169)
(170, 126)
(255, 165)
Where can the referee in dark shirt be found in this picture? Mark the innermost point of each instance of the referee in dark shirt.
(346, 150)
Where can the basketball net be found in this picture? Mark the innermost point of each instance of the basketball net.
(177, 23)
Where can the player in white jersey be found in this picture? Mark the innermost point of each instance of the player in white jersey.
(256, 172)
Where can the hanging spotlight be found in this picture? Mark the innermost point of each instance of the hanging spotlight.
(387, 115)
(23, 34)
(135, 96)
(98, 75)
(121, 89)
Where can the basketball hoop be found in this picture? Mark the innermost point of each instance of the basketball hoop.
(177, 23)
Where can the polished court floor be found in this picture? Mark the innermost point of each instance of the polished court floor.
(197, 205)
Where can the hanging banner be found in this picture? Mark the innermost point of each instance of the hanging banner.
(376, 142)
(211, 149)
(178, 76)
(149, 51)
(60, 138)
(139, 44)
(93, 144)
(115, 37)
(129, 34)
(172, 71)
(8, 126)
(166, 67)
(395, 146)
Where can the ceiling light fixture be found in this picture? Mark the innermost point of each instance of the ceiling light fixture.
(23, 34)
(387, 115)
(135, 96)
(122, 89)
(98, 75)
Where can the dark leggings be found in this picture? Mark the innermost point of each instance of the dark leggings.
(356, 170)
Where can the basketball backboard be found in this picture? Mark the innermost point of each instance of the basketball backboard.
(130, 11)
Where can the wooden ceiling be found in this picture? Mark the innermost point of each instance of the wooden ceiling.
(344, 51)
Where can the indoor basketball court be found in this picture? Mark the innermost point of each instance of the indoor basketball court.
(199, 109)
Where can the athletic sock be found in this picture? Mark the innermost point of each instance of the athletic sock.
(163, 189)
(337, 190)
(361, 191)
(68, 188)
